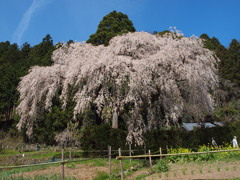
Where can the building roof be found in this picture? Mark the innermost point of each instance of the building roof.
(191, 126)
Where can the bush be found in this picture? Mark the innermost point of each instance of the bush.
(181, 158)
(205, 157)
(162, 165)
(99, 137)
(1, 148)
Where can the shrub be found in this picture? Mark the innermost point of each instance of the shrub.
(205, 157)
(181, 158)
(100, 136)
(162, 165)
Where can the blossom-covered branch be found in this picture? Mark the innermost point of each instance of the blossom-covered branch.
(160, 77)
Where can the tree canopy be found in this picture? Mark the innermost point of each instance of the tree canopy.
(15, 62)
(230, 58)
(113, 24)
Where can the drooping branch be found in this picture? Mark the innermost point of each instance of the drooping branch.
(159, 77)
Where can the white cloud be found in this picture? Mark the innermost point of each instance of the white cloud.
(25, 21)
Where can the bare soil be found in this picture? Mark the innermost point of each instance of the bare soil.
(191, 171)
(187, 171)
(80, 171)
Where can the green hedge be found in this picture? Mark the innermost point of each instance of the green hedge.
(187, 139)
(99, 137)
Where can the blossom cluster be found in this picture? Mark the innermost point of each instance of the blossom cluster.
(163, 75)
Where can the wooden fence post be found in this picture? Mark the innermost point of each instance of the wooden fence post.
(121, 165)
(145, 151)
(150, 160)
(160, 151)
(70, 153)
(62, 164)
(130, 153)
(109, 157)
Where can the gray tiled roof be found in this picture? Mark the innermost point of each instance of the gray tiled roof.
(191, 126)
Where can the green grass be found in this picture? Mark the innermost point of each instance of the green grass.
(184, 171)
(7, 173)
(40, 154)
(141, 177)
(102, 176)
(12, 157)
(43, 154)
(8, 152)
(71, 165)
(95, 162)
(33, 154)
(234, 168)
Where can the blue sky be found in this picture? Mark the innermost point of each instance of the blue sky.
(30, 20)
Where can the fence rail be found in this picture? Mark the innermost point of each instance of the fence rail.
(177, 154)
(160, 155)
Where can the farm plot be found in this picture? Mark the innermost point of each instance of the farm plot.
(206, 170)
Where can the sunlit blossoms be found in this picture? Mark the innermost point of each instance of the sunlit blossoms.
(150, 80)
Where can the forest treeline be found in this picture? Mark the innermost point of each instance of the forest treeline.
(16, 60)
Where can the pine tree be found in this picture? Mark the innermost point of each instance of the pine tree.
(113, 24)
